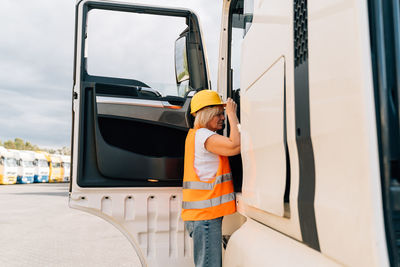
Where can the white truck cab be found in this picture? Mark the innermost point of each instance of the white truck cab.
(26, 167)
(317, 83)
(8, 167)
(56, 173)
(41, 174)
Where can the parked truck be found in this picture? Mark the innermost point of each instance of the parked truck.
(25, 170)
(57, 174)
(42, 168)
(8, 167)
(317, 85)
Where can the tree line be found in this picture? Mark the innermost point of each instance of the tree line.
(20, 144)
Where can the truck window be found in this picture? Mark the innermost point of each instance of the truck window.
(28, 163)
(10, 162)
(241, 17)
(145, 52)
(43, 163)
(56, 165)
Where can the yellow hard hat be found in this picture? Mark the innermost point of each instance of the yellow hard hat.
(204, 98)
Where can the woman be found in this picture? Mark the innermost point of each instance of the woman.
(208, 193)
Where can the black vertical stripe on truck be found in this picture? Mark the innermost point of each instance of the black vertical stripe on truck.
(384, 26)
(302, 119)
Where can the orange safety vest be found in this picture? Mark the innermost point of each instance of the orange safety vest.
(206, 200)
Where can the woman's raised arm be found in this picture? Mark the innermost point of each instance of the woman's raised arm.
(222, 145)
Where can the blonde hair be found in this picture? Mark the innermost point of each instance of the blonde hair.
(204, 115)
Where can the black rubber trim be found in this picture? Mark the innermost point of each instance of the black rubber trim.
(306, 193)
(112, 81)
(286, 196)
(133, 8)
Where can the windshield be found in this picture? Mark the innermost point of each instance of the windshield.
(66, 165)
(10, 162)
(56, 164)
(43, 163)
(27, 163)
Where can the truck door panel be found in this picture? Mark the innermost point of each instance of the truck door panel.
(130, 122)
(135, 128)
(264, 153)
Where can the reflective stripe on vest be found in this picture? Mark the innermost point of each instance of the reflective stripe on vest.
(207, 186)
(202, 204)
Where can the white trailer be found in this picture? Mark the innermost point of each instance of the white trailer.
(317, 83)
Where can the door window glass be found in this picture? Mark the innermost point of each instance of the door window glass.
(240, 21)
(134, 46)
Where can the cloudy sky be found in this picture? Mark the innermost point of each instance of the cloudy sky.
(36, 63)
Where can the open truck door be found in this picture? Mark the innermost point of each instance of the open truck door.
(130, 122)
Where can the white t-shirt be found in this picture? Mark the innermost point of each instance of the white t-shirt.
(205, 163)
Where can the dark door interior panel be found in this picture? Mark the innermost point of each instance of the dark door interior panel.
(142, 138)
(122, 163)
(123, 152)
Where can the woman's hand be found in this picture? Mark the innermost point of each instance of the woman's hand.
(231, 112)
(231, 107)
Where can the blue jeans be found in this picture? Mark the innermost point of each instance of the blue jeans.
(207, 242)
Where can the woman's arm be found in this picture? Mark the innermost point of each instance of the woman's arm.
(222, 145)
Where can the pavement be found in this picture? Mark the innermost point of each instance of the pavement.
(37, 228)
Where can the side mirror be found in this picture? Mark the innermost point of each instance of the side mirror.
(181, 66)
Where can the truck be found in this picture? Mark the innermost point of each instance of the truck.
(8, 167)
(25, 172)
(42, 168)
(56, 173)
(317, 85)
(66, 167)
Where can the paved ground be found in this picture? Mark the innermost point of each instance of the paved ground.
(37, 228)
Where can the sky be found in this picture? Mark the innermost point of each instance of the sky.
(36, 64)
